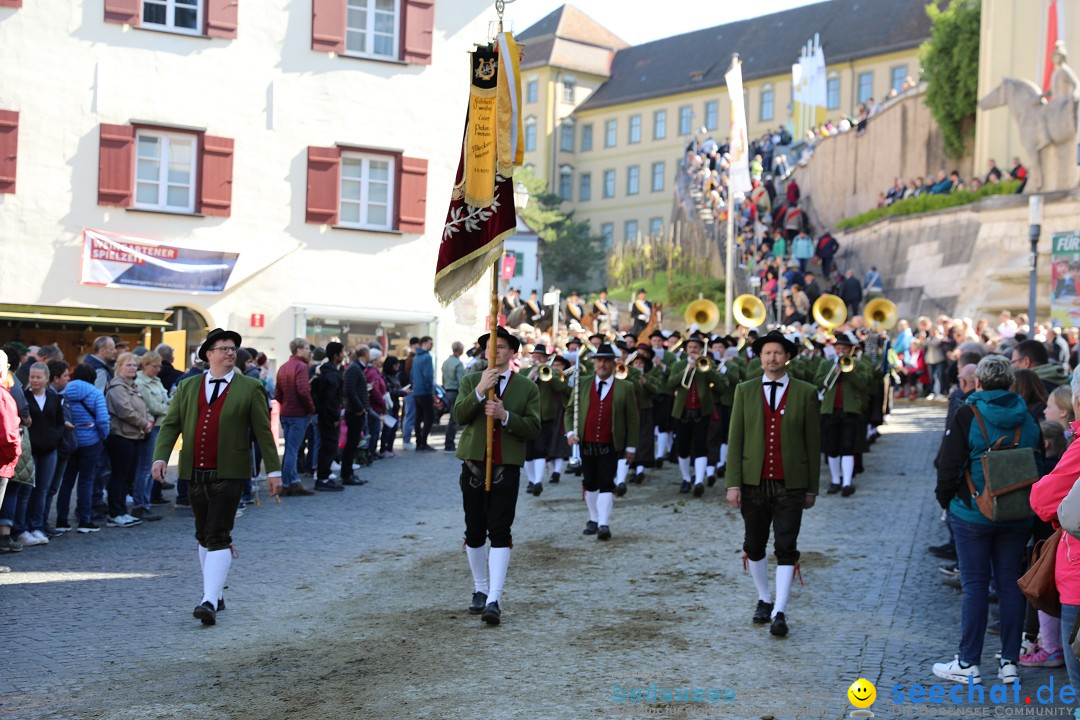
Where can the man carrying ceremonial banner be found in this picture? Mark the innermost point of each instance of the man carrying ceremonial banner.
(481, 216)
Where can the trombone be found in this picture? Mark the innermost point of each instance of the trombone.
(702, 365)
(547, 373)
(844, 364)
(622, 369)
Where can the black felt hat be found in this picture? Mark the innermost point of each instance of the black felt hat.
(604, 352)
(500, 332)
(775, 336)
(213, 336)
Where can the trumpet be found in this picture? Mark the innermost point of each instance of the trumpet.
(702, 365)
(675, 348)
(622, 370)
(844, 364)
(546, 373)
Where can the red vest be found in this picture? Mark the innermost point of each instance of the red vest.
(773, 467)
(598, 419)
(838, 402)
(693, 402)
(206, 429)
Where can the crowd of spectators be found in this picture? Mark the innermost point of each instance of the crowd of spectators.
(945, 183)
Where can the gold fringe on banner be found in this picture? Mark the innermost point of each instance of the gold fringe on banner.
(482, 133)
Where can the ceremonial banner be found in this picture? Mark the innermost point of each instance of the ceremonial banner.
(116, 261)
(1065, 278)
(476, 225)
(740, 145)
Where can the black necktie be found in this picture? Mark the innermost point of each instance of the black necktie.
(772, 395)
(501, 387)
(217, 389)
(600, 390)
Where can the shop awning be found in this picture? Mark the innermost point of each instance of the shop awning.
(343, 312)
(84, 316)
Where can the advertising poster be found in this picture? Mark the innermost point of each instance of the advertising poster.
(118, 261)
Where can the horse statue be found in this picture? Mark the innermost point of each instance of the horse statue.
(1047, 130)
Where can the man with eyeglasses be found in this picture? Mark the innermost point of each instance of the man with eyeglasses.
(215, 413)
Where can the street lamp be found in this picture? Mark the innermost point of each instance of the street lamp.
(521, 195)
(1035, 213)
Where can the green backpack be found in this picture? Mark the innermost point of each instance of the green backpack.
(1009, 471)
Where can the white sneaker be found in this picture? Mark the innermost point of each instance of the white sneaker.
(26, 539)
(43, 539)
(958, 672)
(1007, 672)
(335, 466)
(1027, 647)
(123, 521)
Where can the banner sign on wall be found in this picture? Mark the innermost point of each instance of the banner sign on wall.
(1065, 278)
(118, 261)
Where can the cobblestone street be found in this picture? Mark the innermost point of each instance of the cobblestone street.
(352, 605)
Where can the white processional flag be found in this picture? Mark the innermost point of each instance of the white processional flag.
(740, 145)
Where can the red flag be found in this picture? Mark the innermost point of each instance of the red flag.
(1051, 41)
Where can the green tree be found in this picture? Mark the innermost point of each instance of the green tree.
(570, 254)
(950, 62)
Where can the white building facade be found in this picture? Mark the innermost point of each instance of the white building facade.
(280, 168)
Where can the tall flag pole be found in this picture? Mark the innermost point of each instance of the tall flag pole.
(481, 214)
(738, 176)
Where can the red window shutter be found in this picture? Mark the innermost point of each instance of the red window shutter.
(216, 161)
(11, 3)
(328, 25)
(323, 185)
(9, 149)
(221, 18)
(419, 29)
(122, 11)
(116, 159)
(412, 195)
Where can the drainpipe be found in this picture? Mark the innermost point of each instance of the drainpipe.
(554, 138)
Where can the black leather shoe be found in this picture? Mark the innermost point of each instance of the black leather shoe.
(711, 480)
(479, 600)
(603, 533)
(721, 471)
(620, 489)
(684, 488)
(833, 489)
(529, 488)
(660, 463)
(206, 613)
(639, 478)
(762, 613)
(779, 626)
(554, 478)
(221, 604)
(537, 489)
(591, 528)
(848, 491)
(354, 482)
(945, 552)
(327, 486)
(491, 614)
(699, 489)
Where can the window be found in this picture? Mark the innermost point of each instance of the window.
(367, 191)
(635, 129)
(658, 176)
(766, 103)
(609, 183)
(633, 174)
(607, 232)
(832, 92)
(686, 119)
(371, 28)
(566, 135)
(530, 90)
(630, 230)
(585, 187)
(530, 134)
(712, 119)
(656, 226)
(897, 76)
(586, 137)
(568, 86)
(566, 182)
(610, 129)
(165, 171)
(659, 131)
(519, 262)
(866, 86)
(182, 16)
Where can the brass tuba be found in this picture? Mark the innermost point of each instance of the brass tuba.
(829, 311)
(748, 311)
(704, 313)
(881, 314)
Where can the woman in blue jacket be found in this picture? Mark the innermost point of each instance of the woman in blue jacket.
(91, 417)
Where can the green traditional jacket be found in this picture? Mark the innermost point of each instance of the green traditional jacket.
(855, 383)
(552, 393)
(245, 409)
(521, 399)
(735, 376)
(800, 432)
(624, 413)
(753, 369)
(708, 385)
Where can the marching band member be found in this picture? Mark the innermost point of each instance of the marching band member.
(694, 401)
(488, 516)
(552, 393)
(773, 470)
(841, 414)
(663, 359)
(606, 425)
(641, 311)
(727, 399)
(559, 453)
(650, 384)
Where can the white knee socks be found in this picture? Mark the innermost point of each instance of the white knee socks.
(759, 570)
(478, 560)
(658, 451)
(709, 470)
(834, 469)
(684, 468)
(215, 571)
(590, 502)
(620, 471)
(529, 472)
(847, 464)
(723, 454)
(604, 502)
(498, 562)
(202, 557)
(559, 465)
(538, 470)
(639, 469)
(784, 575)
(699, 470)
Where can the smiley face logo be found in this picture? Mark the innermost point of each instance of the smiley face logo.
(862, 693)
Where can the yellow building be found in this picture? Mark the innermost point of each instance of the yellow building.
(607, 123)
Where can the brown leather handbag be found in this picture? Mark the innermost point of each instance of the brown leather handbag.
(1038, 583)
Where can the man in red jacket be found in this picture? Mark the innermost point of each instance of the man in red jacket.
(293, 393)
